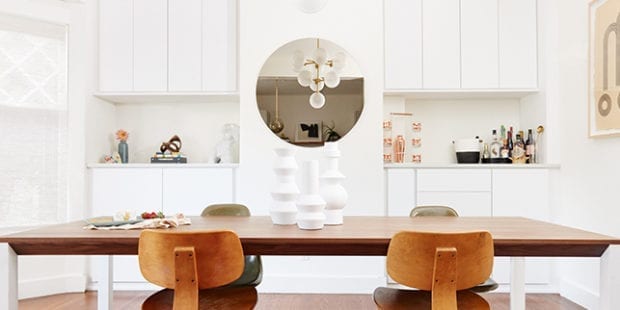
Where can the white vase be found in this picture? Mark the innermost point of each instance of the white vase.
(310, 205)
(332, 191)
(283, 209)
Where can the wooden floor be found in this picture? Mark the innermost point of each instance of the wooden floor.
(133, 300)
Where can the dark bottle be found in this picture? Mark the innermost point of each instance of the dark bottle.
(530, 148)
(510, 143)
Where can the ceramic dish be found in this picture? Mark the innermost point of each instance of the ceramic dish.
(104, 221)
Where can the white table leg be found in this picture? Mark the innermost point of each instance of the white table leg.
(517, 283)
(106, 278)
(610, 278)
(8, 277)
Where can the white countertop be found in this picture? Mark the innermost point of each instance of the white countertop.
(171, 165)
(471, 166)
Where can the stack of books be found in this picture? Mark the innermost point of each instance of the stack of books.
(168, 158)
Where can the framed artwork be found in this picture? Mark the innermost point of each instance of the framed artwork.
(604, 68)
(309, 131)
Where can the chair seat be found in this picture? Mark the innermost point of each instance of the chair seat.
(486, 286)
(395, 299)
(242, 297)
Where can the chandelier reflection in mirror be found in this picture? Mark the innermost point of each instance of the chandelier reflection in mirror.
(318, 71)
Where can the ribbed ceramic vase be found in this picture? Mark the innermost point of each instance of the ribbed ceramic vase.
(332, 191)
(310, 205)
(283, 209)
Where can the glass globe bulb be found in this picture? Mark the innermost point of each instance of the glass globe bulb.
(332, 79)
(339, 62)
(317, 100)
(304, 78)
(313, 86)
(298, 61)
(319, 55)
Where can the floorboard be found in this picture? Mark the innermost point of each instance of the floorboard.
(133, 299)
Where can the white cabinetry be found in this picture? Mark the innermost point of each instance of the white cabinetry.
(522, 192)
(153, 188)
(468, 191)
(505, 191)
(460, 45)
(167, 46)
(517, 44)
(479, 54)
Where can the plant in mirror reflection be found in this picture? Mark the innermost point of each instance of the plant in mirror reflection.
(330, 133)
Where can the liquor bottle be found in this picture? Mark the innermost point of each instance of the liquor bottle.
(495, 146)
(518, 151)
(504, 152)
(485, 153)
(530, 148)
(510, 143)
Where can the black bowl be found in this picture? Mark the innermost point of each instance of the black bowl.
(467, 157)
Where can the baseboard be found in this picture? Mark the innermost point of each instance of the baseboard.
(51, 285)
(579, 294)
(530, 288)
(320, 284)
(127, 286)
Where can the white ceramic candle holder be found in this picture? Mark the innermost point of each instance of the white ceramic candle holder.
(332, 191)
(283, 209)
(310, 205)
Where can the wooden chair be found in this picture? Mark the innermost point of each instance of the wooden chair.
(488, 284)
(253, 271)
(192, 266)
(439, 265)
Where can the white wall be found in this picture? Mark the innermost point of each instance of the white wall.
(357, 27)
(588, 181)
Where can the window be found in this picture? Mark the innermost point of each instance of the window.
(33, 122)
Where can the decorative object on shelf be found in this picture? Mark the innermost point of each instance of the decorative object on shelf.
(387, 142)
(310, 204)
(604, 102)
(226, 150)
(538, 147)
(332, 191)
(467, 150)
(309, 131)
(311, 6)
(115, 158)
(283, 209)
(276, 125)
(123, 147)
(401, 132)
(170, 152)
(330, 133)
(321, 72)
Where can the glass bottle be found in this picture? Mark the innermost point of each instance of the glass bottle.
(504, 152)
(495, 146)
(530, 148)
(518, 151)
(510, 143)
(485, 153)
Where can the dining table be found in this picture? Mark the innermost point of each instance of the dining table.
(514, 237)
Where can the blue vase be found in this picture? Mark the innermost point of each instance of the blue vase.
(123, 151)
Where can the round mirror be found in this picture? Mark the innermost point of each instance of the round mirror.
(310, 91)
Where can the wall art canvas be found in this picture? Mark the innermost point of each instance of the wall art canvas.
(309, 131)
(604, 68)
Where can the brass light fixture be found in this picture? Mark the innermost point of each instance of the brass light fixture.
(276, 125)
(318, 71)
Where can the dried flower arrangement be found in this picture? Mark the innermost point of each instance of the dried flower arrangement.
(122, 135)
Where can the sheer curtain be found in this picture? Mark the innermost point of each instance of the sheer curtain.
(33, 122)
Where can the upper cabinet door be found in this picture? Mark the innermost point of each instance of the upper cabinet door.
(441, 50)
(517, 44)
(403, 44)
(115, 45)
(219, 45)
(479, 50)
(150, 45)
(185, 45)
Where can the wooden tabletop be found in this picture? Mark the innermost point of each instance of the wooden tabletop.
(512, 236)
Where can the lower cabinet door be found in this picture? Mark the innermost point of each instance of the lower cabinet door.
(189, 191)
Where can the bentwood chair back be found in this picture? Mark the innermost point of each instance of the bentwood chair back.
(253, 271)
(432, 210)
(191, 265)
(439, 265)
